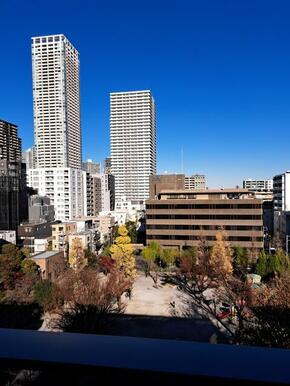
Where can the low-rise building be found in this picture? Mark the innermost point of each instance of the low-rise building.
(9, 236)
(28, 233)
(196, 181)
(60, 233)
(178, 218)
(49, 263)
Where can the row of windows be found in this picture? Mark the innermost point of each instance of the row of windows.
(203, 206)
(204, 217)
(207, 227)
(209, 238)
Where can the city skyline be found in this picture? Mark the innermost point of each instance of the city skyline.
(221, 96)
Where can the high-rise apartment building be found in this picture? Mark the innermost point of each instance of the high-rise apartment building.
(196, 181)
(13, 194)
(56, 102)
(108, 165)
(57, 170)
(91, 167)
(281, 191)
(133, 143)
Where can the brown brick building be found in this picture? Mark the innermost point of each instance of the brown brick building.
(177, 218)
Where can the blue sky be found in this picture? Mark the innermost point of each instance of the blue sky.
(219, 72)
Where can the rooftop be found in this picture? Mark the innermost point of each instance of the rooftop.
(45, 255)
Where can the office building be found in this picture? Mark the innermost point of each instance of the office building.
(13, 193)
(56, 102)
(159, 182)
(196, 181)
(178, 218)
(133, 143)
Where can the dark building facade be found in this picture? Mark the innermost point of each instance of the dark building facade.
(13, 192)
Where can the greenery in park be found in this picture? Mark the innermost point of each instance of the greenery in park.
(271, 265)
(122, 253)
(29, 267)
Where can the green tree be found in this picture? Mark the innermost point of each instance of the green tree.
(123, 254)
(46, 295)
(29, 267)
(152, 256)
(169, 256)
(241, 258)
(132, 230)
(262, 264)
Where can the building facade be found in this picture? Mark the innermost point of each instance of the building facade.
(159, 182)
(64, 187)
(133, 143)
(56, 102)
(60, 233)
(178, 218)
(35, 236)
(13, 193)
(40, 209)
(91, 167)
(263, 185)
(196, 181)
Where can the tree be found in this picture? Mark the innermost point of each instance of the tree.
(262, 264)
(122, 254)
(152, 256)
(10, 261)
(241, 259)
(76, 254)
(132, 230)
(46, 294)
(169, 256)
(89, 300)
(29, 267)
(220, 260)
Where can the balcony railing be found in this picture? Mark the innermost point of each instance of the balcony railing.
(141, 360)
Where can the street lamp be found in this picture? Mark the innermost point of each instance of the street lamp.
(287, 243)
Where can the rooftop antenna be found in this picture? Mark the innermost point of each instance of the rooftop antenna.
(182, 160)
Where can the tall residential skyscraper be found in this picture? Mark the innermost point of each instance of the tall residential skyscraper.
(133, 143)
(56, 102)
(57, 170)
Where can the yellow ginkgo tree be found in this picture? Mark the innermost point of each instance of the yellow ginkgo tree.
(122, 253)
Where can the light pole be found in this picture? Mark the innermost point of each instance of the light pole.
(287, 242)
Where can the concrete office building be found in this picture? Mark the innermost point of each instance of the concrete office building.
(196, 181)
(177, 218)
(133, 143)
(159, 182)
(13, 193)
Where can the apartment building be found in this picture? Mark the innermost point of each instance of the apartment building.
(60, 233)
(263, 185)
(133, 143)
(196, 181)
(178, 218)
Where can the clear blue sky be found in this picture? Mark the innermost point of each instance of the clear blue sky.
(219, 72)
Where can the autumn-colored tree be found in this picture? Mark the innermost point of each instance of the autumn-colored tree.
(89, 299)
(76, 254)
(220, 260)
(10, 263)
(169, 256)
(122, 253)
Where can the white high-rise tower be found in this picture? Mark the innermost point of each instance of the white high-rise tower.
(133, 143)
(57, 130)
(56, 102)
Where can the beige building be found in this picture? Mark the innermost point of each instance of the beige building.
(60, 233)
(178, 218)
(49, 263)
(159, 182)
